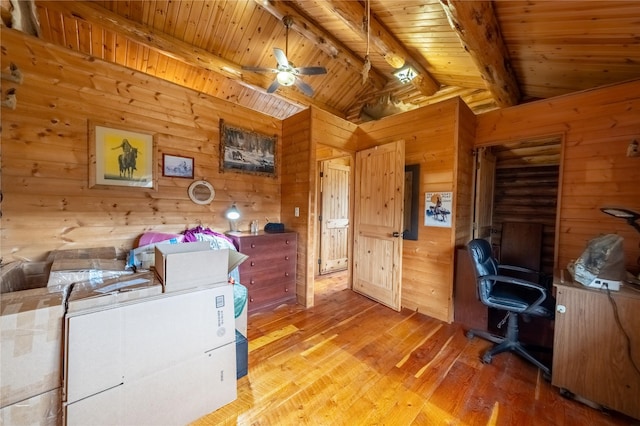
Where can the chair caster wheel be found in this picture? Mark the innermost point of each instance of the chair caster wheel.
(486, 359)
(470, 334)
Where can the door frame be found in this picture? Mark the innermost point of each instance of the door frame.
(335, 153)
(319, 203)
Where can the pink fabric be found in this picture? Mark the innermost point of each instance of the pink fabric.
(155, 237)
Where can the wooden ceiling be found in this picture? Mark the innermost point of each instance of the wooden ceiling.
(491, 54)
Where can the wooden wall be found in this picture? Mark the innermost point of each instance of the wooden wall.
(47, 203)
(297, 185)
(598, 125)
(527, 194)
(430, 135)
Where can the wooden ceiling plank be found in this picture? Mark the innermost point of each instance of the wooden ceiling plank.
(478, 29)
(172, 48)
(352, 14)
(323, 40)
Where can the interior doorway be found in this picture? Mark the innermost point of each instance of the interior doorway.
(520, 202)
(524, 190)
(334, 207)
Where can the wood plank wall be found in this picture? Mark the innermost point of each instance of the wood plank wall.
(297, 185)
(528, 194)
(598, 126)
(47, 203)
(430, 141)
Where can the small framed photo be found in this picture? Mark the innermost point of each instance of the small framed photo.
(121, 157)
(177, 166)
(245, 151)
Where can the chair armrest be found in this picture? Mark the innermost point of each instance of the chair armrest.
(519, 269)
(522, 283)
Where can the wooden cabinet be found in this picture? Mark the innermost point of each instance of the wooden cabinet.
(468, 310)
(591, 354)
(270, 272)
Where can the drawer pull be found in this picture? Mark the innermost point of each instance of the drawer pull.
(286, 274)
(252, 281)
(253, 263)
(286, 242)
(251, 299)
(253, 245)
(286, 258)
(286, 290)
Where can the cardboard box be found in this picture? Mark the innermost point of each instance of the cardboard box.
(68, 271)
(144, 257)
(30, 343)
(189, 265)
(130, 363)
(84, 253)
(87, 294)
(41, 410)
(19, 275)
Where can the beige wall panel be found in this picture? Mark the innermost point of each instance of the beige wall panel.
(598, 126)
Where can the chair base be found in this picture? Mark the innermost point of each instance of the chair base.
(508, 343)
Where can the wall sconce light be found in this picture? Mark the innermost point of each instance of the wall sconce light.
(406, 74)
(233, 214)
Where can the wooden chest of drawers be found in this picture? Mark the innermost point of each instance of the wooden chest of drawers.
(270, 272)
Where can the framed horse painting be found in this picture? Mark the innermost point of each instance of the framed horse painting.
(121, 157)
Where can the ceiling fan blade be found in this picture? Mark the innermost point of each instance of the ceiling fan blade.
(272, 88)
(311, 70)
(306, 89)
(281, 57)
(260, 69)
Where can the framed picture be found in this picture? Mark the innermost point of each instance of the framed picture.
(411, 201)
(246, 151)
(438, 209)
(121, 157)
(177, 166)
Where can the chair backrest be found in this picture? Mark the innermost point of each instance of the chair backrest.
(483, 264)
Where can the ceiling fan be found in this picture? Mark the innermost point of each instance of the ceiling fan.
(287, 73)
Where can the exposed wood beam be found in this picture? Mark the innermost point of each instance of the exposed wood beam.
(352, 13)
(478, 30)
(177, 49)
(323, 40)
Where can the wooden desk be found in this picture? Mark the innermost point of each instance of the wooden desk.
(591, 354)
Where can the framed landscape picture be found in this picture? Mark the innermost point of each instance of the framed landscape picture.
(246, 151)
(177, 166)
(121, 157)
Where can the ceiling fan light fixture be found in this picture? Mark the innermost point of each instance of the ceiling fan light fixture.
(406, 74)
(286, 78)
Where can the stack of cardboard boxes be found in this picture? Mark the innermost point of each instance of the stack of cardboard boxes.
(167, 326)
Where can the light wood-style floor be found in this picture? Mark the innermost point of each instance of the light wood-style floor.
(351, 361)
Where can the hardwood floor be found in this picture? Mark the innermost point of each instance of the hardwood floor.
(352, 361)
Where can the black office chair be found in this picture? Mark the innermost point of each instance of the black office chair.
(514, 295)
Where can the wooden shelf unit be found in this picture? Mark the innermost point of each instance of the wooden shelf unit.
(270, 272)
